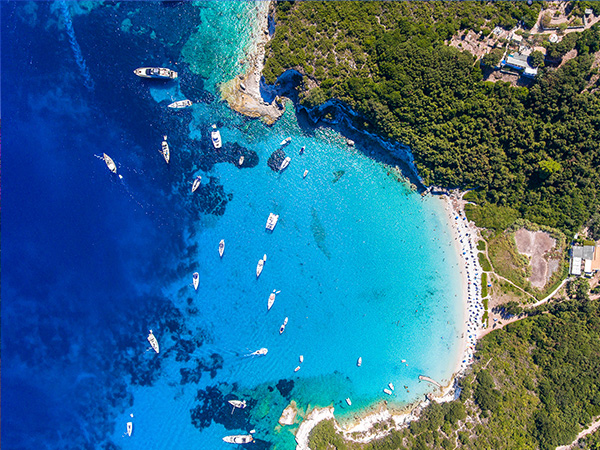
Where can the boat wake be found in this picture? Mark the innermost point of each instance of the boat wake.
(88, 82)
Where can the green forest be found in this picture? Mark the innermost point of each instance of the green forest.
(535, 384)
(532, 151)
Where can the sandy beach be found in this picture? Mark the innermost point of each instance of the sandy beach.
(362, 430)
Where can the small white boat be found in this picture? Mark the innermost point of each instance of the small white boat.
(265, 257)
(387, 391)
(301, 358)
(259, 267)
(283, 325)
(260, 351)
(215, 136)
(349, 401)
(305, 173)
(272, 221)
(109, 163)
(156, 72)
(297, 369)
(180, 104)
(359, 362)
(239, 439)
(302, 149)
(272, 299)
(403, 361)
(129, 428)
(165, 151)
(221, 247)
(391, 386)
(285, 163)
(241, 160)
(196, 280)
(238, 403)
(286, 141)
(196, 183)
(153, 342)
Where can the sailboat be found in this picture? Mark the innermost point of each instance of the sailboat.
(237, 403)
(259, 266)
(109, 163)
(196, 280)
(165, 150)
(285, 321)
(153, 342)
(129, 428)
(221, 247)
(359, 362)
(196, 183)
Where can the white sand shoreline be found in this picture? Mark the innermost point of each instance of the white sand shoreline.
(362, 430)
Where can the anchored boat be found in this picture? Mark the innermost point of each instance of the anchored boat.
(196, 183)
(109, 163)
(215, 136)
(153, 342)
(239, 439)
(165, 151)
(180, 104)
(221, 247)
(272, 221)
(156, 72)
(196, 280)
(285, 321)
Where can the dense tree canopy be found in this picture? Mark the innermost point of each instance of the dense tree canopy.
(534, 149)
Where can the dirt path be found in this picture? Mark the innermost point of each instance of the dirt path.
(589, 430)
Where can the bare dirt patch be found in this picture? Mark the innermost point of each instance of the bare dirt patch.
(535, 245)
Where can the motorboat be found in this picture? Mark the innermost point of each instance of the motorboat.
(129, 428)
(153, 342)
(265, 257)
(221, 247)
(166, 152)
(359, 362)
(301, 358)
(260, 352)
(272, 221)
(302, 149)
(285, 321)
(349, 401)
(161, 73)
(109, 163)
(238, 403)
(196, 280)
(297, 369)
(272, 299)
(387, 391)
(215, 136)
(391, 386)
(180, 104)
(196, 183)
(285, 163)
(305, 173)
(286, 141)
(239, 439)
(241, 160)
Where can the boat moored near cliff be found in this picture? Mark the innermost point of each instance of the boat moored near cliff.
(160, 73)
(239, 439)
(180, 104)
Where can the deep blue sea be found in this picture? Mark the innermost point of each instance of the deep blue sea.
(91, 261)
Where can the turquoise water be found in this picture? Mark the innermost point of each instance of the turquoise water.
(366, 268)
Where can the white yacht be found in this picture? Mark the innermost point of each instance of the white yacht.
(286, 141)
(238, 403)
(349, 401)
(109, 163)
(297, 369)
(305, 173)
(259, 266)
(272, 299)
(129, 428)
(272, 221)
(387, 391)
(215, 136)
(196, 280)
(260, 352)
(241, 160)
(391, 386)
(239, 439)
(285, 163)
(285, 321)
(301, 358)
(180, 104)
(221, 247)
(156, 72)
(196, 183)
(359, 362)
(153, 342)
(165, 151)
